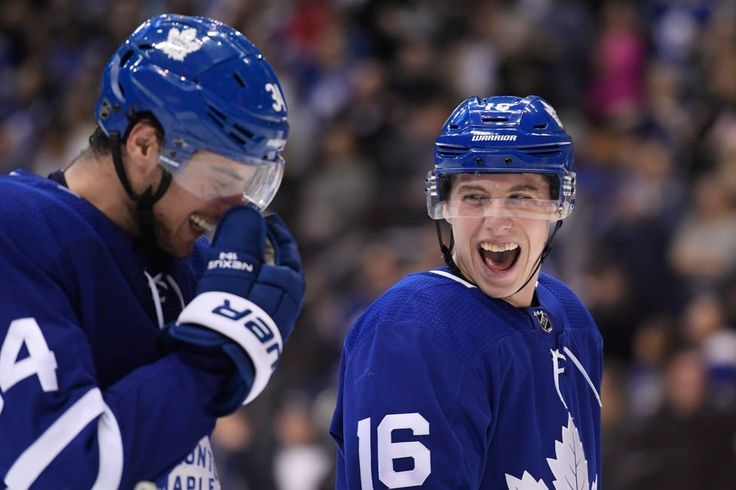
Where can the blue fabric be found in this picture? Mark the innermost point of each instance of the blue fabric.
(235, 265)
(480, 373)
(71, 270)
(277, 288)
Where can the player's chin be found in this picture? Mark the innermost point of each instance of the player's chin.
(180, 245)
(184, 251)
(183, 242)
(178, 250)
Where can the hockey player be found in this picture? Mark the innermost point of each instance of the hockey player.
(484, 374)
(123, 333)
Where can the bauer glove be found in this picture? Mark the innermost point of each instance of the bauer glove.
(245, 306)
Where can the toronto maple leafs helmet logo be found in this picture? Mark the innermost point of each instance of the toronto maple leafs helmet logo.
(179, 44)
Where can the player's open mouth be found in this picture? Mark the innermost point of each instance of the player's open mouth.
(499, 257)
(200, 224)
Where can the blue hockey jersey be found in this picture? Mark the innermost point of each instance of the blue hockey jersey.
(86, 399)
(443, 387)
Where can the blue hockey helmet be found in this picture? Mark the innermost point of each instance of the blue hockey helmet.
(215, 96)
(503, 134)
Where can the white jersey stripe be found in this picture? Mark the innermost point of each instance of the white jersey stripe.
(585, 374)
(41, 453)
(454, 278)
(156, 299)
(111, 452)
(262, 342)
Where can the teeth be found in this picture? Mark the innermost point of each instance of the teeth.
(201, 224)
(498, 247)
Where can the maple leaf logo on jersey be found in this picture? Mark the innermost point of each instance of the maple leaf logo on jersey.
(527, 482)
(180, 43)
(569, 466)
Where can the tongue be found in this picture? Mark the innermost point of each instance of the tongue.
(500, 261)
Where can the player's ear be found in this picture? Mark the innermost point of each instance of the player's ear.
(142, 147)
(446, 213)
(447, 216)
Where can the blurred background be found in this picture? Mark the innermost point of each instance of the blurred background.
(646, 88)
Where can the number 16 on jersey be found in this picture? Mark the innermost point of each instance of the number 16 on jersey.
(387, 451)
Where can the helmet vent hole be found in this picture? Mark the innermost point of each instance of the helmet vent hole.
(494, 119)
(454, 126)
(543, 150)
(239, 80)
(236, 137)
(126, 57)
(216, 115)
(243, 131)
(447, 151)
(217, 121)
(234, 131)
(540, 126)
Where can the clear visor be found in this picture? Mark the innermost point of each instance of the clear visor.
(509, 207)
(213, 177)
(475, 202)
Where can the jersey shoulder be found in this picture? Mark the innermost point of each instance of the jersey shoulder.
(40, 215)
(575, 311)
(444, 310)
(50, 233)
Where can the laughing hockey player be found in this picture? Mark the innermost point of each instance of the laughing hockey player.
(483, 374)
(123, 334)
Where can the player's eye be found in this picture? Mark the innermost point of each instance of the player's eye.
(474, 198)
(520, 200)
(225, 186)
(520, 196)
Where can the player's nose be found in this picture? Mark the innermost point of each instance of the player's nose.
(498, 222)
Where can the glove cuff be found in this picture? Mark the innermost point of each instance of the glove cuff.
(246, 324)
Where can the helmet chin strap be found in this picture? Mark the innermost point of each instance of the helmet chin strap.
(144, 202)
(447, 255)
(545, 252)
(447, 252)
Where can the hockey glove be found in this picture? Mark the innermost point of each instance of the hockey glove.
(245, 306)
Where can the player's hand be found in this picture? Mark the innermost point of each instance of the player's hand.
(245, 306)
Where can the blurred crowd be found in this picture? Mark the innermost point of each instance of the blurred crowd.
(648, 91)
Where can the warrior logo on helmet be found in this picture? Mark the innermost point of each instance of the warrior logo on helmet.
(493, 137)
